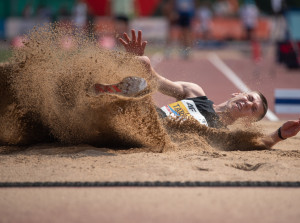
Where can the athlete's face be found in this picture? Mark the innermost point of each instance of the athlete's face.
(245, 105)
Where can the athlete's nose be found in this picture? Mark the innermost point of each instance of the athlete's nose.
(248, 104)
(244, 98)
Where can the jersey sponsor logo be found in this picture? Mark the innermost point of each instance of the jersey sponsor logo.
(184, 108)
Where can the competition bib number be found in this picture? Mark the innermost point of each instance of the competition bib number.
(184, 108)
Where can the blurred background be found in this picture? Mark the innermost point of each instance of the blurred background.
(259, 40)
(178, 25)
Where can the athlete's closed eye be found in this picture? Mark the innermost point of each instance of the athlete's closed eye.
(254, 107)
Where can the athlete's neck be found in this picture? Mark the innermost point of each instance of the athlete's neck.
(223, 114)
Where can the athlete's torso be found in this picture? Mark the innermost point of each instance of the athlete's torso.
(199, 108)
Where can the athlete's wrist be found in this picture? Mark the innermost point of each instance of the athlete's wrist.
(279, 134)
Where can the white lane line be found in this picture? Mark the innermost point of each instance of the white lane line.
(221, 66)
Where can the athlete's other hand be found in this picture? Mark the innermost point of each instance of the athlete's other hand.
(290, 128)
(135, 46)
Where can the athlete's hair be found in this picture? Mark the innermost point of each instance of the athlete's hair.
(265, 105)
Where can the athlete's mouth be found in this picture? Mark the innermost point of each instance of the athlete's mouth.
(239, 105)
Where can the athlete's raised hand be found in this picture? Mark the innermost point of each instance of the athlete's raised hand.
(290, 128)
(135, 46)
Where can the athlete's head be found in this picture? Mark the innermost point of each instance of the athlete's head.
(251, 105)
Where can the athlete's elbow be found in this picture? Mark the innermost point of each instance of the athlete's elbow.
(145, 61)
(193, 90)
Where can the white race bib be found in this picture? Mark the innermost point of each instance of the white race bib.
(185, 108)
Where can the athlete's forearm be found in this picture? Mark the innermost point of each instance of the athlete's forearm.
(271, 139)
(170, 88)
(176, 89)
(164, 85)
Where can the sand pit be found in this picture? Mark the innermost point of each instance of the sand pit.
(55, 162)
(48, 114)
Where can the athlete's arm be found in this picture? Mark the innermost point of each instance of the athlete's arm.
(287, 130)
(176, 89)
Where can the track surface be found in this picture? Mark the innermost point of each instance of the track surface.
(160, 205)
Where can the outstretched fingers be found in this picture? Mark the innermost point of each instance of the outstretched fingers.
(123, 42)
(133, 36)
(139, 39)
(144, 44)
(135, 45)
(126, 37)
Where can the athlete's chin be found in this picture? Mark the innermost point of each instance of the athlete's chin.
(234, 110)
(234, 114)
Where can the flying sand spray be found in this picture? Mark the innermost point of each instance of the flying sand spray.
(47, 99)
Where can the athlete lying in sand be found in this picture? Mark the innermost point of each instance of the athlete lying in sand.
(192, 100)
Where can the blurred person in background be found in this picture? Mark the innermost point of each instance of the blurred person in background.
(44, 13)
(204, 16)
(79, 14)
(249, 16)
(221, 8)
(122, 11)
(28, 22)
(234, 6)
(63, 15)
(186, 12)
(279, 28)
(168, 10)
(28, 11)
(277, 6)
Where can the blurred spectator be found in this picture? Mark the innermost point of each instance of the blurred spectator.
(28, 11)
(168, 9)
(63, 15)
(44, 13)
(91, 22)
(277, 6)
(28, 20)
(80, 14)
(204, 15)
(249, 16)
(279, 26)
(169, 12)
(186, 12)
(122, 11)
(222, 8)
(63, 11)
(234, 6)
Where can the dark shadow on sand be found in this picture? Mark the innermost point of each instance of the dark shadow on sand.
(56, 149)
